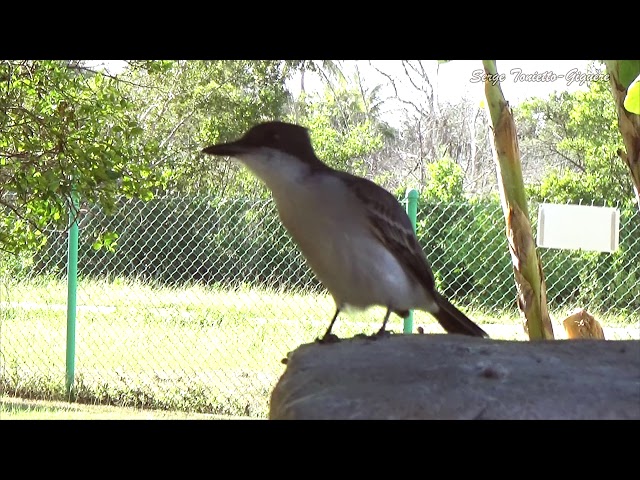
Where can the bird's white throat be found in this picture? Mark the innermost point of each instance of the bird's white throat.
(279, 171)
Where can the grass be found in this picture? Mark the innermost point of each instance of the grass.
(23, 409)
(193, 349)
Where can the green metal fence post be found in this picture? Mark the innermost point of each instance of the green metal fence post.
(72, 287)
(412, 211)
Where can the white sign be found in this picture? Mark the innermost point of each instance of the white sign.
(578, 227)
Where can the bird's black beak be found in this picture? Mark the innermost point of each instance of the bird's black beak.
(230, 149)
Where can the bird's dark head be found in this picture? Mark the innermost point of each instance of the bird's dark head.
(282, 137)
(278, 153)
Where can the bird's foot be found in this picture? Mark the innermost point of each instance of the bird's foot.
(328, 338)
(285, 360)
(382, 333)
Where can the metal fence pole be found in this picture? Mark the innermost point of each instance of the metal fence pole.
(72, 288)
(412, 211)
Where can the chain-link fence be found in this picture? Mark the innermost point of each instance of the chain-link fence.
(201, 299)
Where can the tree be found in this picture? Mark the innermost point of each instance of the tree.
(328, 70)
(433, 129)
(64, 127)
(191, 104)
(622, 73)
(444, 181)
(570, 142)
(344, 132)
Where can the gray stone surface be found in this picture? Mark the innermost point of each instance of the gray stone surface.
(457, 377)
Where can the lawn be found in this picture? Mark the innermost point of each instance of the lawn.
(192, 349)
(23, 409)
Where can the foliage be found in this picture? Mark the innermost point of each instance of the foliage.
(444, 181)
(431, 128)
(63, 127)
(128, 135)
(466, 247)
(567, 186)
(187, 105)
(15, 265)
(608, 280)
(576, 134)
(187, 239)
(632, 99)
(343, 131)
(182, 240)
(628, 71)
(142, 131)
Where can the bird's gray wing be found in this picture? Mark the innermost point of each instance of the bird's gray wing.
(390, 224)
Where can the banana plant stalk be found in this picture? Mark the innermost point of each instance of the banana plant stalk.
(622, 73)
(527, 268)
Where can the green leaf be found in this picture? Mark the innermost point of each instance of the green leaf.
(109, 241)
(629, 70)
(632, 100)
(112, 174)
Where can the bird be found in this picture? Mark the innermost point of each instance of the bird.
(355, 236)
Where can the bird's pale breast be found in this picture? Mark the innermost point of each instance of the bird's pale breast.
(330, 227)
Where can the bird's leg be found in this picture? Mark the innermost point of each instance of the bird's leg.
(382, 330)
(328, 336)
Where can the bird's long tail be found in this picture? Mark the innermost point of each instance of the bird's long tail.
(454, 321)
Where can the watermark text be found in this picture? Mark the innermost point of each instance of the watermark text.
(519, 76)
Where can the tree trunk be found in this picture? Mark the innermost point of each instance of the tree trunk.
(621, 74)
(527, 268)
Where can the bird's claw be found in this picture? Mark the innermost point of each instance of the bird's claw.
(381, 334)
(330, 338)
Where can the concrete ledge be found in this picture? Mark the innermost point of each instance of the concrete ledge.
(459, 377)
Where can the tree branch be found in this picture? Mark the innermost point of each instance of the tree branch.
(83, 68)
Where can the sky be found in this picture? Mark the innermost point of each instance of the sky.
(456, 78)
(459, 79)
